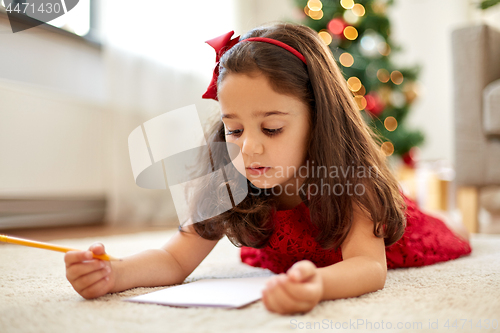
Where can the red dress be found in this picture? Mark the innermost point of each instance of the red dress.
(426, 240)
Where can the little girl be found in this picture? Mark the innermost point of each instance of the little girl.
(323, 210)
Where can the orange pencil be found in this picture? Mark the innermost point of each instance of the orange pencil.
(47, 246)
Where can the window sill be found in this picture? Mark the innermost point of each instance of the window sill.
(22, 20)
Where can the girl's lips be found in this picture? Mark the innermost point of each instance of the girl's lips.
(258, 171)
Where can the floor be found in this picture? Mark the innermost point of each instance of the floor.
(493, 228)
(46, 234)
(97, 230)
(35, 296)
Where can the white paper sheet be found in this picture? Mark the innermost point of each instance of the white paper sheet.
(224, 293)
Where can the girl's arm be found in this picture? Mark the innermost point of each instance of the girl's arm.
(364, 266)
(362, 270)
(171, 264)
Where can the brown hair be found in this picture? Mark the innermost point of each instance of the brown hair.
(339, 138)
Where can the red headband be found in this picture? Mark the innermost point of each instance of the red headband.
(224, 42)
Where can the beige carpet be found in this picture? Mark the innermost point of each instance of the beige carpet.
(36, 297)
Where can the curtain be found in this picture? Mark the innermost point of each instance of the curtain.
(154, 63)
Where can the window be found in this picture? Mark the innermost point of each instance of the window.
(79, 20)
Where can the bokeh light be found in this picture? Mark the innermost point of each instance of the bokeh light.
(361, 102)
(387, 148)
(316, 15)
(358, 10)
(354, 83)
(398, 99)
(346, 59)
(336, 26)
(350, 33)
(314, 5)
(361, 91)
(396, 77)
(370, 43)
(347, 4)
(384, 49)
(325, 36)
(383, 75)
(390, 123)
(350, 17)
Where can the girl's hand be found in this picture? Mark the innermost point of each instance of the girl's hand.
(90, 277)
(297, 291)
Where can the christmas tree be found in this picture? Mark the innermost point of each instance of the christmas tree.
(359, 36)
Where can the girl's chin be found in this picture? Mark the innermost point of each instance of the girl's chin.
(263, 184)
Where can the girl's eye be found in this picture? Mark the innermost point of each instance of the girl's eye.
(272, 132)
(269, 132)
(234, 133)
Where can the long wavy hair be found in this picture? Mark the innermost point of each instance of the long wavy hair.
(339, 139)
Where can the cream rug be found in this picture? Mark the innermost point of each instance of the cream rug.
(36, 297)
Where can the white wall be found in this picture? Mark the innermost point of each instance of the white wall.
(48, 59)
(51, 144)
(51, 115)
(256, 12)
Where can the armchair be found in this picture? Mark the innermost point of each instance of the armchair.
(476, 91)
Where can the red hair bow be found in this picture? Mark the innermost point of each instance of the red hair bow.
(221, 44)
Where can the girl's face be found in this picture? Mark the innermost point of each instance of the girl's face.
(270, 128)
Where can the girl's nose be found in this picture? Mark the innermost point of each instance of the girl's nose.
(251, 146)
